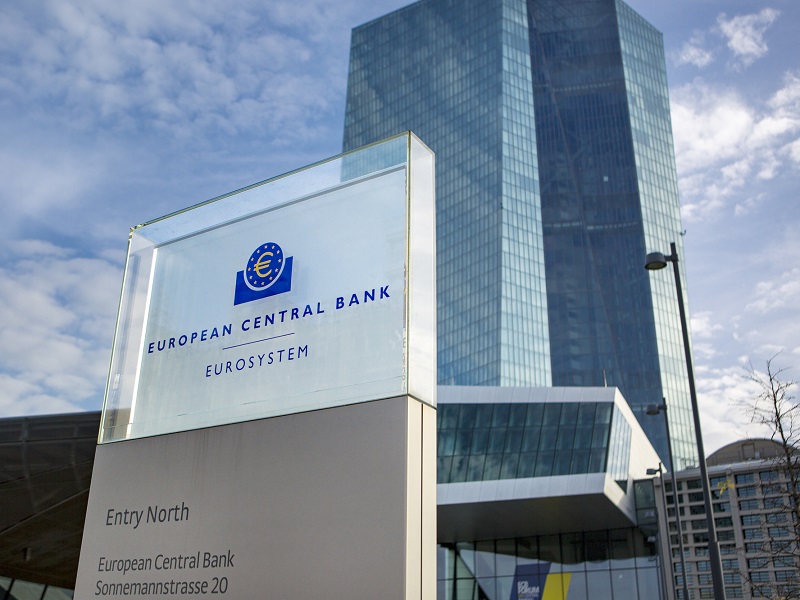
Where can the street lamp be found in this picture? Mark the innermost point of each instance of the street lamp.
(654, 409)
(654, 262)
(660, 472)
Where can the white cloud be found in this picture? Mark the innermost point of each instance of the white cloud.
(692, 52)
(778, 293)
(749, 205)
(703, 327)
(38, 181)
(792, 150)
(704, 350)
(723, 394)
(710, 125)
(786, 101)
(744, 34)
(181, 66)
(724, 142)
(56, 325)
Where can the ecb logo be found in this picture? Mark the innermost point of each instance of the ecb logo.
(267, 273)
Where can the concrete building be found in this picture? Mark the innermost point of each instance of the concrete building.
(755, 527)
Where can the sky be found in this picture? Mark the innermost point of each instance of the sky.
(115, 113)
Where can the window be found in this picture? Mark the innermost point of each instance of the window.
(757, 563)
(759, 576)
(787, 591)
(772, 490)
(746, 492)
(753, 534)
(776, 517)
(745, 478)
(751, 519)
(696, 497)
(726, 535)
(782, 546)
(731, 578)
(778, 532)
(768, 475)
(730, 564)
(784, 561)
(724, 522)
(716, 481)
(733, 592)
(749, 505)
(679, 567)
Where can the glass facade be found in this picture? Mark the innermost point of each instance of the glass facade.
(651, 132)
(458, 75)
(616, 564)
(19, 589)
(167, 334)
(555, 176)
(483, 442)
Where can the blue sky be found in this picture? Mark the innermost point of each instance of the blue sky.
(116, 113)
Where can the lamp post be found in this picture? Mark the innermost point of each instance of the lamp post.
(654, 262)
(654, 409)
(660, 472)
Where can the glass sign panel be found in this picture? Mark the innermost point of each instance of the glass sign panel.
(257, 304)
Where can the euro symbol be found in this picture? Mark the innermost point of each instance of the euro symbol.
(263, 263)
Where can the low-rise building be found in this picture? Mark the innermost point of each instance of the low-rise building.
(753, 516)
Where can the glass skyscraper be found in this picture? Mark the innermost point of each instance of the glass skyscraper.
(555, 176)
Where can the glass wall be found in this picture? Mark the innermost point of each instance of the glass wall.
(555, 177)
(608, 197)
(478, 442)
(642, 49)
(458, 75)
(19, 589)
(617, 564)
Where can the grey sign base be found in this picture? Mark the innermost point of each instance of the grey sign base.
(336, 503)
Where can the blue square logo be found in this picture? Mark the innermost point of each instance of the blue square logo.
(268, 273)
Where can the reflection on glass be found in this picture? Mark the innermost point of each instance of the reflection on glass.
(486, 441)
(334, 306)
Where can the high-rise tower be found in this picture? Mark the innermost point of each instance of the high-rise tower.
(555, 176)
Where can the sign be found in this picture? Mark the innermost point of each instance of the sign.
(211, 513)
(309, 299)
(291, 303)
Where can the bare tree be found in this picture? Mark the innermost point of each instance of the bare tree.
(777, 410)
